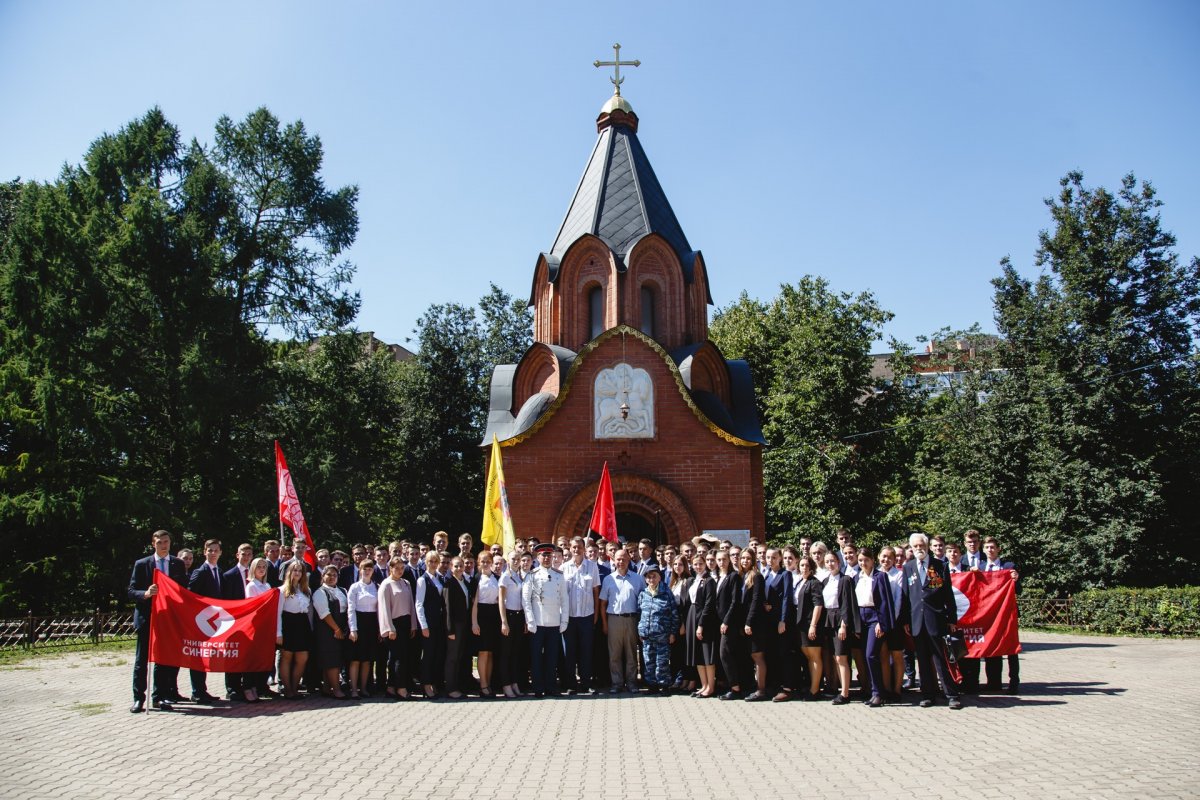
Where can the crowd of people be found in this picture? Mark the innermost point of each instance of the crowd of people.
(707, 618)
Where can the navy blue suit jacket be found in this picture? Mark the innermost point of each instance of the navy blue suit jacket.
(144, 574)
(203, 583)
(929, 609)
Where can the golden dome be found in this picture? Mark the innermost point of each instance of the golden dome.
(616, 103)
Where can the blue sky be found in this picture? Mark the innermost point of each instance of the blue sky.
(901, 148)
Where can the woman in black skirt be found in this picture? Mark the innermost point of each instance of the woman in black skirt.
(329, 603)
(701, 633)
(809, 605)
(295, 633)
(842, 622)
(485, 620)
(363, 615)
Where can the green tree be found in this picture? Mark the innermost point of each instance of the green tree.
(135, 372)
(1081, 457)
(809, 350)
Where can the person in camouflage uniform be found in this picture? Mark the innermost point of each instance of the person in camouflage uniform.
(657, 625)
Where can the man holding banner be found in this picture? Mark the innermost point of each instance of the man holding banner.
(149, 574)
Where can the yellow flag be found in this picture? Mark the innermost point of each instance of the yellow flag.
(497, 519)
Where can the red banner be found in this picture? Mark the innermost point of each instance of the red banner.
(604, 513)
(987, 612)
(289, 507)
(202, 633)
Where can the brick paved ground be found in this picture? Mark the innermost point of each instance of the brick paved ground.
(1099, 718)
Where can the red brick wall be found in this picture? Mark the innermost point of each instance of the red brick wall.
(720, 482)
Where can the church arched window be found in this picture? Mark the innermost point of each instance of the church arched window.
(595, 312)
(647, 302)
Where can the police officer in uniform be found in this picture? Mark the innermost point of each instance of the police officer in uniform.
(544, 597)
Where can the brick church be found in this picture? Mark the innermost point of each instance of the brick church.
(621, 370)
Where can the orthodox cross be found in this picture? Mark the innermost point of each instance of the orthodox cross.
(616, 64)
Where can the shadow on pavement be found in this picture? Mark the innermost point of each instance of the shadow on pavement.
(1034, 647)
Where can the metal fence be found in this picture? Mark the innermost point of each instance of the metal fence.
(1045, 611)
(44, 632)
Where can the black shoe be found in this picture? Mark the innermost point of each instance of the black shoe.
(204, 699)
(955, 703)
(268, 693)
(176, 697)
(235, 697)
(908, 683)
(840, 700)
(756, 697)
(571, 692)
(875, 702)
(731, 695)
(138, 707)
(926, 703)
(1014, 688)
(161, 705)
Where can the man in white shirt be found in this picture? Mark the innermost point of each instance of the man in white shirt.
(544, 597)
(582, 577)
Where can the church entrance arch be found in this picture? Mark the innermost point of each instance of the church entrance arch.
(642, 504)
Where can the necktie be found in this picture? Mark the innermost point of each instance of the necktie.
(924, 572)
(216, 577)
(162, 565)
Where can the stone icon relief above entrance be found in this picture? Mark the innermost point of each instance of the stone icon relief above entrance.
(623, 403)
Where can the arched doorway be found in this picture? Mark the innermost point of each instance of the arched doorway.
(646, 509)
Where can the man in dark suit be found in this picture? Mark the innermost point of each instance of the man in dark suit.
(206, 582)
(233, 587)
(143, 586)
(271, 554)
(348, 574)
(993, 664)
(929, 598)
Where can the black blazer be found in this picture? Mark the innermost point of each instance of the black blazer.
(203, 583)
(458, 605)
(775, 597)
(811, 600)
(729, 602)
(754, 602)
(685, 599)
(706, 603)
(847, 610)
(929, 608)
(143, 576)
(273, 576)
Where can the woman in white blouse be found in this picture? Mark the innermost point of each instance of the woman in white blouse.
(485, 620)
(294, 633)
(362, 603)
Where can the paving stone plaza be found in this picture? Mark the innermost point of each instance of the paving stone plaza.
(1099, 717)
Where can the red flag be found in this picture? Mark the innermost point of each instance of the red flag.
(201, 633)
(987, 612)
(289, 507)
(604, 513)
